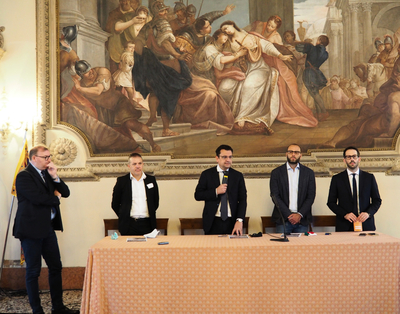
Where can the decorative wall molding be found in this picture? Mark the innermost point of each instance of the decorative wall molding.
(324, 162)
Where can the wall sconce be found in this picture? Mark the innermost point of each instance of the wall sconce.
(6, 124)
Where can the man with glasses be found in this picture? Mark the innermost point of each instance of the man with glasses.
(292, 187)
(354, 195)
(39, 190)
(224, 192)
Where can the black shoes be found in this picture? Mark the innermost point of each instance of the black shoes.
(65, 310)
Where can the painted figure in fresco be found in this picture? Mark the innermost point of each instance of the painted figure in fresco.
(159, 69)
(198, 34)
(254, 101)
(213, 61)
(161, 72)
(141, 14)
(388, 56)
(268, 29)
(358, 94)
(113, 108)
(313, 78)
(289, 38)
(380, 46)
(123, 77)
(372, 73)
(381, 119)
(182, 19)
(339, 99)
(292, 109)
(119, 20)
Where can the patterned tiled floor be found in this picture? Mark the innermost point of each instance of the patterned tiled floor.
(17, 301)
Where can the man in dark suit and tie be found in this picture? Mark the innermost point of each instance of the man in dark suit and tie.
(292, 186)
(348, 206)
(135, 199)
(39, 190)
(224, 192)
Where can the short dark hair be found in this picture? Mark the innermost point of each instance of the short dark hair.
(351, 147)
(223, 147)
(34, 150)
(134, 155)
(199, 24)
(294, 144)
(292, 33)
(324, 40)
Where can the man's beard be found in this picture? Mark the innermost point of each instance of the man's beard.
(293, 162)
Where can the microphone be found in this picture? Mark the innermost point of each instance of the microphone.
(225, 178)
(284, 239)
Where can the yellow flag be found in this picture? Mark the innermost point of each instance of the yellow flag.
(22, 163)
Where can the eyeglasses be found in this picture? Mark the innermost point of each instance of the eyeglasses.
(296, 152)
(351, 157)
(44, 157)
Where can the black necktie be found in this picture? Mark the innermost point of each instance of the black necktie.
(43, 172)
(224, 198)
(355, 208)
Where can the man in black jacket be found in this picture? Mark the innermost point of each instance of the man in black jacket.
(350, 206)
(224, 192)
(39, 190)
(293, 187)
(135, 199)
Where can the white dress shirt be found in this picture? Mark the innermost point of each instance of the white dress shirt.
(139, 199)
(350, 175)
(293, 177)
(221, 175)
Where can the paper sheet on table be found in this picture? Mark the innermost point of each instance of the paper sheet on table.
(152, 234)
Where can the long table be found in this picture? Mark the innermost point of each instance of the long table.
(338, 273)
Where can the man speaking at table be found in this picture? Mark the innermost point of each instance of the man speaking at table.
(135, 199)
(224, 194)
(354, 195)
(293, 187)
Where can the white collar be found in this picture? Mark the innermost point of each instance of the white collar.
(289, 168)
(349, 173)
(220, 170)
(141, 178)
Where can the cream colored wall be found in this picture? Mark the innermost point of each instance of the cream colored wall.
(89, 203)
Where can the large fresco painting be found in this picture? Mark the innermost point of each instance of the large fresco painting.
(182, 77)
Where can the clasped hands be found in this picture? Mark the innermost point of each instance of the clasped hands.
(353, 218)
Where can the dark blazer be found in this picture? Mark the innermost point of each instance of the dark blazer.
(206, 191)
(35, 201)
(340, 199)
(122, 200)
(279, 186)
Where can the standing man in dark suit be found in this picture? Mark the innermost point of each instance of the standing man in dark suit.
(135, 199)
(293, 186)
(350, 207)
(224, 192)
(39, 190)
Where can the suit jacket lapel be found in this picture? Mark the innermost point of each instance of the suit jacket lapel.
(302, 185)
(37, 175)
(216, 178)
(347, 183)
(286, 182)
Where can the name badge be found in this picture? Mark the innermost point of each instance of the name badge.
(150, 185)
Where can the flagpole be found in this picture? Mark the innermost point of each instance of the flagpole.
(9, 220)
(5, 241)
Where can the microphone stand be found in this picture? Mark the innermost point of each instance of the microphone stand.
(285, 238)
